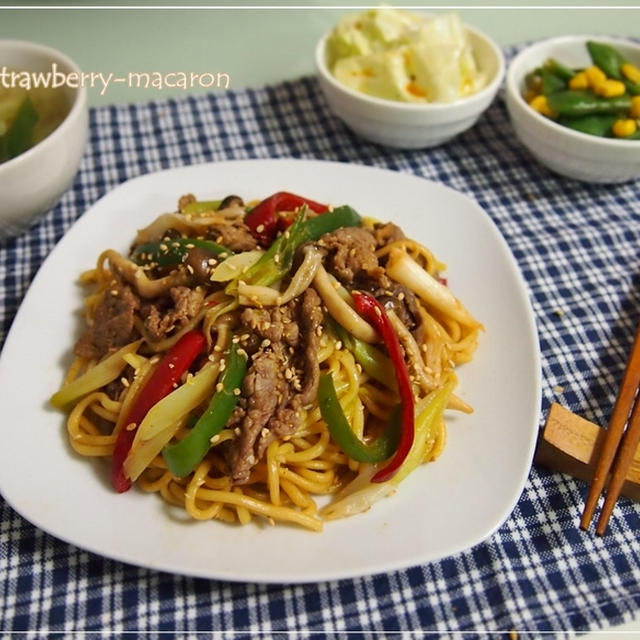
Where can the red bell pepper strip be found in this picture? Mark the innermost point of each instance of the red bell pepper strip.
(263, 220)
(372, 311)
(167, 373)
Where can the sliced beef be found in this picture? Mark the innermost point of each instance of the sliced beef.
(311, 327)
(112, 326)
(276, 324)
(267, 392)
(162, 317)
(282, 378)
(350, 252)
(403, 301)
(234, 235)
(395, 296)
(387, 233)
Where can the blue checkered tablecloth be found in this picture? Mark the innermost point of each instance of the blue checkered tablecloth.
(578, 248)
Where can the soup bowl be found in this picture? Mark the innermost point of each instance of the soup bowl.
(33, 181)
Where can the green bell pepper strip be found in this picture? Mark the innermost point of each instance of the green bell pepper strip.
(379, 450)
(172, 252)
(584, 103)
(596, 125)
(372, 311)
(278, 259)
(184, 456)
(610, 60)
(19, 136)
(343, 216)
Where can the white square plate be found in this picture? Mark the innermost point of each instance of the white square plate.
(442, 508)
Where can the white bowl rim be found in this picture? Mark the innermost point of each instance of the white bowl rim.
(486, 92)
(511, 87)
(79, 102)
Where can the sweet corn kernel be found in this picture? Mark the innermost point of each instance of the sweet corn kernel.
(624, 128)
(635, 108)
(530, 94)
(610, 88)
(595, 75)
(579, 81)
(540, 104)
(631, 72)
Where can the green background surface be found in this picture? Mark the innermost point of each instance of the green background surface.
(258, 43)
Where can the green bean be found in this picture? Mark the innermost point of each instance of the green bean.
(607, 58)
(583, 103)
(551, 83)
(632, 87)
(559, 69)
(596, 125)
(533, 79)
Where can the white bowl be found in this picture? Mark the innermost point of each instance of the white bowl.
(409, 125)
(32, 182)
(567, 152)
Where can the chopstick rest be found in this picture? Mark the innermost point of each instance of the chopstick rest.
(570, 444)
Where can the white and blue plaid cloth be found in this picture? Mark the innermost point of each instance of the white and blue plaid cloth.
(578, 246)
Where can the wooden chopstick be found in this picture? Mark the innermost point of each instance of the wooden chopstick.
(619, 416)
(622, 464)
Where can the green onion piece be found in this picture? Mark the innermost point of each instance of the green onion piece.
(202, 206)
(19, 136)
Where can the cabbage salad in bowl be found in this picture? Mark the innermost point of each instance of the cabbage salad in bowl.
(396, 55)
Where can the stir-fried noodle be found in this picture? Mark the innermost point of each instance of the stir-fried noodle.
(214, 346)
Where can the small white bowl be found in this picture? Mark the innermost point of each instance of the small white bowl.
(408, 125)
(32, 182)
(567, 152)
